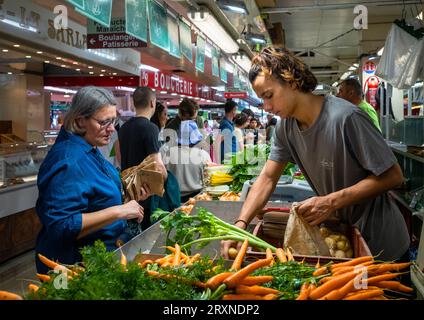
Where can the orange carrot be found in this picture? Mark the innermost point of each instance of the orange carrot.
(233, 280)
(240, 256)
(269, 255)
(177, 257)
(365, 295)
(342, 292)
(281, 255)
(289, 255)
(304, 292)
(5, 295)
(53, 265)
(270, 296)
(192, 259)
(256, 280)
(341, 270)
(387, 267)
(382, 277)
(331, 285)
(43, 277)
(393, 285)
(217, 280)
(317, 266)
(352, 262)
(33, 288)
(123, 259)
(320, 271)
(145, 263)
(241, 289)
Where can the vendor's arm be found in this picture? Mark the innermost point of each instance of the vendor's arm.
(260, 192)
(318, 209)
(94, 221)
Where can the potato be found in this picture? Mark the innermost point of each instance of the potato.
(232, 253)
(325, 232)
(331, 243)
(343, 238)
(342, 245)
(349, 253)
(340, 254)
(335, 236)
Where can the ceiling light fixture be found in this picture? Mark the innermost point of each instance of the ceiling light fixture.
(9, 73)
(5, 50)
(122, 88)
(102, 54)
(57, 89)
(28, 57)
(47, 61)
(103, 70)
(252, 37)
(74, 62)
(77, 69)
(59, 58)
(147, 67)
(16, 45)
(18, 25)
(90, 67)
(380, 52)
(63, 66)
(91, 72)
(205, 21)
(39, 52)
(236, 6)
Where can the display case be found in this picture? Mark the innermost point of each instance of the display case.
(20, 162)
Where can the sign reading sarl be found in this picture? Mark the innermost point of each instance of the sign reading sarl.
(100, 37)
(239, 95)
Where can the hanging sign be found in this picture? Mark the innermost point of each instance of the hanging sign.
(200, 54)
(223, 70)
(136, 19)
(77, 3)
(99, 11)
(100, 37)
(215, 62)
(158, 25)
(185, 41)
(174, 37)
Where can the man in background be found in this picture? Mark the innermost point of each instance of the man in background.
(226, 127)
(351, 90)
(138, 139)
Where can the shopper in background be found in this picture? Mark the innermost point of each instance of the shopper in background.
(351, 90)
(240, 122)
(80, 198)
(341, 154)
(250, 114)
(252, 132)
(206, 128)
(270, 129)
(226, 127)
(186, 160)
(159, 118)
(138, 139)
(187, 110)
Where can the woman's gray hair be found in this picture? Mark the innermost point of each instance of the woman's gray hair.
(86, 102)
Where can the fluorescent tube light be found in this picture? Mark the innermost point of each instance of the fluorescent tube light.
(123, 88)
(236, 6)
(18, 25)
(149, 68)
(206, 22)
(57, 89)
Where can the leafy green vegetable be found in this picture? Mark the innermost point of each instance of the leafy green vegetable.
(288, 277)
(105, 278)
(203, 228)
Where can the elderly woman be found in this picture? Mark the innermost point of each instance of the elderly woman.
(80, 197)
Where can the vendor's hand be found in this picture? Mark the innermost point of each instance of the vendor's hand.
(131, 210)
(316, 210)
(227, 244)
(145, 192)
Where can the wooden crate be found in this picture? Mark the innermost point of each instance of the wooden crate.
(359, 246)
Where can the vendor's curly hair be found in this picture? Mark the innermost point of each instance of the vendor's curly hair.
(284, 66)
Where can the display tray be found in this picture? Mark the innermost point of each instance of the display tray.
(359, 246)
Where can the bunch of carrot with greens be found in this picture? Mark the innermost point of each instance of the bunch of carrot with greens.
(202, 228)
(361, 278)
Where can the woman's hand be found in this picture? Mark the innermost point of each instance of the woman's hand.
(131, 210)
(316, 210)
(145, 192)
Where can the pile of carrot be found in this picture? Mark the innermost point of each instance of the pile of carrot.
(238, 284)
(175, 259)
(361, 278)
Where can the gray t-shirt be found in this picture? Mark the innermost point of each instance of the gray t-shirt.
(340, 149)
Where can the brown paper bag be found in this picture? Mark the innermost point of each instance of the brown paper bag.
(303, 238)
(153, 179)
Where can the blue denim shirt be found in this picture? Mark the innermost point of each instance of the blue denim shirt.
(227, 130)
(74, 178)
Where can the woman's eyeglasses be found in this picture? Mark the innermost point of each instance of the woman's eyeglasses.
(107, 122)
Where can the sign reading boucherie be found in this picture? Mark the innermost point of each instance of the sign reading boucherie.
(100, 37)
